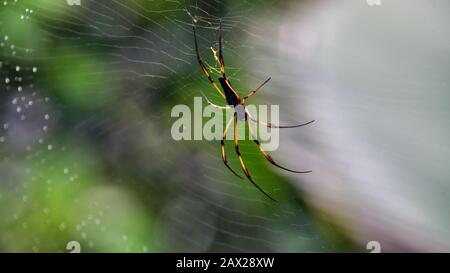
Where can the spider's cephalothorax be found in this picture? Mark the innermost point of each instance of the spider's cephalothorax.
(241, 113)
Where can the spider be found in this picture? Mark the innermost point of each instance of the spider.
(241, 113)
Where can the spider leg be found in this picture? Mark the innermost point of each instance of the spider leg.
(215, 105)
(222, 143)
(205, 70)
(271, 125)
(236, 145)
(255, 139)
(221, 61)
(252, 92)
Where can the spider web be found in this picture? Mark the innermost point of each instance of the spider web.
(88, 98)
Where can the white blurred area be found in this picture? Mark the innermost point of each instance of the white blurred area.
(377, 81)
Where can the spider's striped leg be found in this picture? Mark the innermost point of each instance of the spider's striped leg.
(215, 105)
(236, 145)
(255, 139)
(222, 143)
(205, 70)
(271, 125)
(221, 61)
(252, 92)
(222, 64)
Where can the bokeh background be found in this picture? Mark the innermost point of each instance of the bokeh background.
(86, 153)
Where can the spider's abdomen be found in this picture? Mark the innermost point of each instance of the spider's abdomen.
(231, 96)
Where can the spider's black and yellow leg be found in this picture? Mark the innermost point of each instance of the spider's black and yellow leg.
(252, 92)
(236, 145)
(255, 139)
(215, 105)
(222, 65)
(205, 70)
(271, 125)
(221, 61)
(222, 143)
